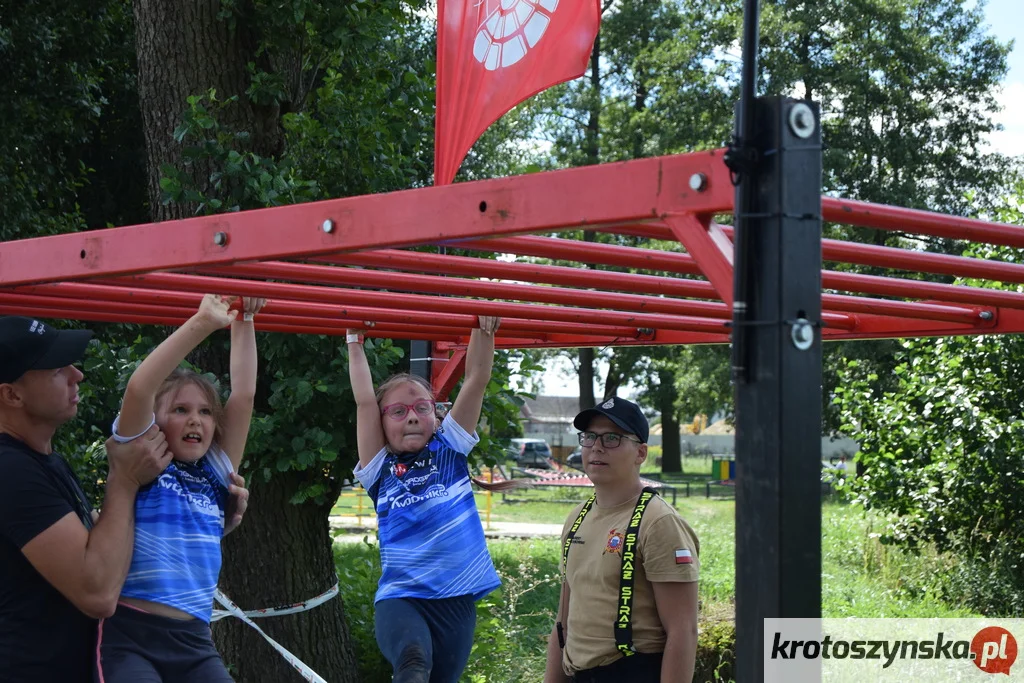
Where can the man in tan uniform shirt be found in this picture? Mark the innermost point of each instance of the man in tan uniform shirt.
(664, 593)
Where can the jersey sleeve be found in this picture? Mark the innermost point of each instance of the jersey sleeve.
(30, 501)
(457, 438)
(369, 475)
(220, 463)
(669, 548)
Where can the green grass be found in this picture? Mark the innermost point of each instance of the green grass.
(861, 577)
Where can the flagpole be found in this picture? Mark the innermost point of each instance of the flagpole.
(744, 162)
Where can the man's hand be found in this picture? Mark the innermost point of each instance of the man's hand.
(139, 461)
(237, 503)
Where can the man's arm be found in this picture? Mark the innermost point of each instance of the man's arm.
(88, 567)
(677, 609)
(553, 671)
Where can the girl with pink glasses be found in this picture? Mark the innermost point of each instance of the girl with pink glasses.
(433, 553)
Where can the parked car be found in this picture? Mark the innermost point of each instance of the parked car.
(575, 458)
(531, 453)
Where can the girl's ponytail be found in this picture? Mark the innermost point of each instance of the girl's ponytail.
(502, 485)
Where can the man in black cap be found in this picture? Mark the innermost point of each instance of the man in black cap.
(61, 564)
(628, 609)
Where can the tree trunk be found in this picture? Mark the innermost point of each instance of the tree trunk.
(587, 379)
(183, 50)
(671, 453)
(281, 554)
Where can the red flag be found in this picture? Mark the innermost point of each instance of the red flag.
(493, 54)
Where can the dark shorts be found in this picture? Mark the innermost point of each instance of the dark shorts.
(639, 668)
(426, 641)
(138, 647)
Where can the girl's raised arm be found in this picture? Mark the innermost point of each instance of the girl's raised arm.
(479, 360)
(369, 433)
(140, 394)
(238, 409)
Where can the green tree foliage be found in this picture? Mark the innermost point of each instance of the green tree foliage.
(65, 66)
(941, 443)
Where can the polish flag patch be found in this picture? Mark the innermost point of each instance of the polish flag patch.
(684, 556)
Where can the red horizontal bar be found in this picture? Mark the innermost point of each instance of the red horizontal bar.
(920, 289)
(408, 282)
(445, 264)
(463, 265)
(350, 315)
(344, 297)
(588, 252)
(916, 261)
(850, 212)
(607, 193)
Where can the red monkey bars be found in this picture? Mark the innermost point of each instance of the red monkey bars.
(338, 264)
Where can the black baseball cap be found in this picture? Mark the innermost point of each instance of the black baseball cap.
(27, 344)
(625, 414)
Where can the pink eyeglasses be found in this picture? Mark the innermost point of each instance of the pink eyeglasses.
(398, 411)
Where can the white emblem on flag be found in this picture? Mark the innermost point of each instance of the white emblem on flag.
(683, 556)
(609, 404)
(510, 29)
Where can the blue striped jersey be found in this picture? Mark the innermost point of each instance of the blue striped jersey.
(179, 522)
(431, 540)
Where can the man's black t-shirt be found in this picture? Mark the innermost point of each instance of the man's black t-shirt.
(43, 637)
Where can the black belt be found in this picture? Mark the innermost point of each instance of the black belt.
(640, 668)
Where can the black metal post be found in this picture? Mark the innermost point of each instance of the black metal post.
(419, 358)
(778, 407)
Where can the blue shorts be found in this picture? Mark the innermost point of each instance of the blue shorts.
(134, 646)
(426, 641)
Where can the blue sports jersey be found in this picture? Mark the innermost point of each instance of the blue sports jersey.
(431, 539)
(179, 522)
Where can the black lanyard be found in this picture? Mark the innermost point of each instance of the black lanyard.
(624, 614)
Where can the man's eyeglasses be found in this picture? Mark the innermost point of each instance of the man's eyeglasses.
(398, 411)
(608, 439)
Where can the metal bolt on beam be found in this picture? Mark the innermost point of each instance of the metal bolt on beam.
(328, 226)
(698, 182)
(220, 238)
(986, 315)
(803, 334)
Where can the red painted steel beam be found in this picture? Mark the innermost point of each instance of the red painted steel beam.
(445, 264)
(463, 265)
(462, 287)
(710, 248)
(607, 193)
(351, 315)
(916, 261)
(416, 302)
(919, 289)
(448, 375)
(882, 217)
(904, 309)
(588, 252)
(874, 255)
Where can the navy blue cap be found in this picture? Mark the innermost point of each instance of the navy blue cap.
(626, 414)
(27, 344)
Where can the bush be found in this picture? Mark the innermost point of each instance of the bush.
(513, 623)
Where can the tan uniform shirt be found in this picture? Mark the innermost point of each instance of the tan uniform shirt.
(668, 550)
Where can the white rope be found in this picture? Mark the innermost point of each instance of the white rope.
(233, 610)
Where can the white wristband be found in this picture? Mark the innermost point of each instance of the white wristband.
(247, 317)
(351, 338)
